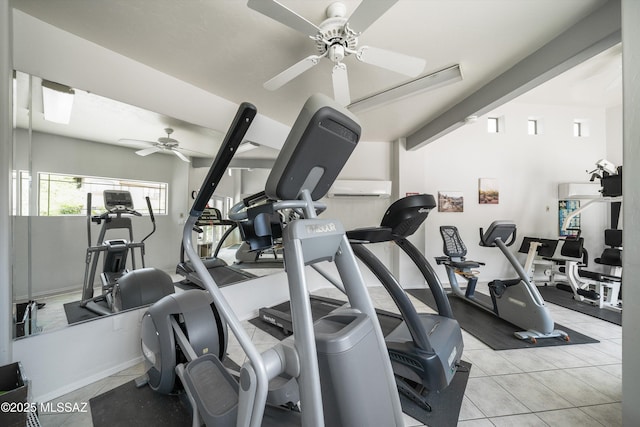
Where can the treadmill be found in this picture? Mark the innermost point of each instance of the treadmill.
(425, 349)
(221, 272)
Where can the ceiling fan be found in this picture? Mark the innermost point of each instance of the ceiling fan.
(336, 38)
(164, 143)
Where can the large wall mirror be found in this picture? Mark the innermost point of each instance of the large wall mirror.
(101, 144)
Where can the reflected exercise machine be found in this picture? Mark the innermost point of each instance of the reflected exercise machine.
(121, 288)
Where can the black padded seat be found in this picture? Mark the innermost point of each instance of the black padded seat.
(464, 264)
(611, 257)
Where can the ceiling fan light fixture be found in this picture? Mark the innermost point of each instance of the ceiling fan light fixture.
(336, 52)
(413, 87)
(57, 100)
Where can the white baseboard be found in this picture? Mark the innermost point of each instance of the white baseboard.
(68, 388)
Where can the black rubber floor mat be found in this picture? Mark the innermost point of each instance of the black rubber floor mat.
(493, 331)
(76, 314)
(128, 406)
(565, 299)
(445, 405)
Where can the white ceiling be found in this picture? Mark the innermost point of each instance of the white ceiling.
(226, 48)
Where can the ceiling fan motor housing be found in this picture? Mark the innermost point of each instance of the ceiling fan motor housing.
(333, 33)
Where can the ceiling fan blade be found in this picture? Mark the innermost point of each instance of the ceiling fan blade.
(134, 141)
(292, 72)
(180, 156)
(341, 84)
(367, 13)
(148, 151)
(284, 15)
(400, 63)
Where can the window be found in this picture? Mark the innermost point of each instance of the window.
(577, 129)
(493, 125)
(60, 194)
(532, 127)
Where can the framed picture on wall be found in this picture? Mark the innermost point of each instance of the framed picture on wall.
(450, 201)
(488, 193)
(566, 207)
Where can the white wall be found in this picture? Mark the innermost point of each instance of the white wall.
(369, 161)
(58, 244)
(631, 258)
(614, 135)
(528, 169)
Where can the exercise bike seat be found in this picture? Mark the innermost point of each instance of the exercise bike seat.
(464, 265)
(455, 250)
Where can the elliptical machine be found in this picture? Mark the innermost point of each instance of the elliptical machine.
(339, 363)
(516, 300)
(120, 292)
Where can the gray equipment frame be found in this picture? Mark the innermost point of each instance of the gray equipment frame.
(320, 142)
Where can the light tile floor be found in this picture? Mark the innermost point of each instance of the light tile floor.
(563, 386)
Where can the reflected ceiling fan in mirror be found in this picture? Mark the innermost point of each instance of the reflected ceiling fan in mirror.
(165, 143)
(336, 38)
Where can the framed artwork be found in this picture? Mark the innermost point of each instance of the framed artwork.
(450, 201)
(565, 207)
(488, 193)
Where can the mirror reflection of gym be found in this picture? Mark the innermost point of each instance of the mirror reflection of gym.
(86, 155)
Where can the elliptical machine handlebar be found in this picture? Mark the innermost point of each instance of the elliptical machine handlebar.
(153, 220)
(232, 140)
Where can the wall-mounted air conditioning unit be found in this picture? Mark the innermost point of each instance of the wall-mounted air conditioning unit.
(360, 188)
(579, 190)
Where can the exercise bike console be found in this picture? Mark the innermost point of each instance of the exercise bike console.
(498, 230)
